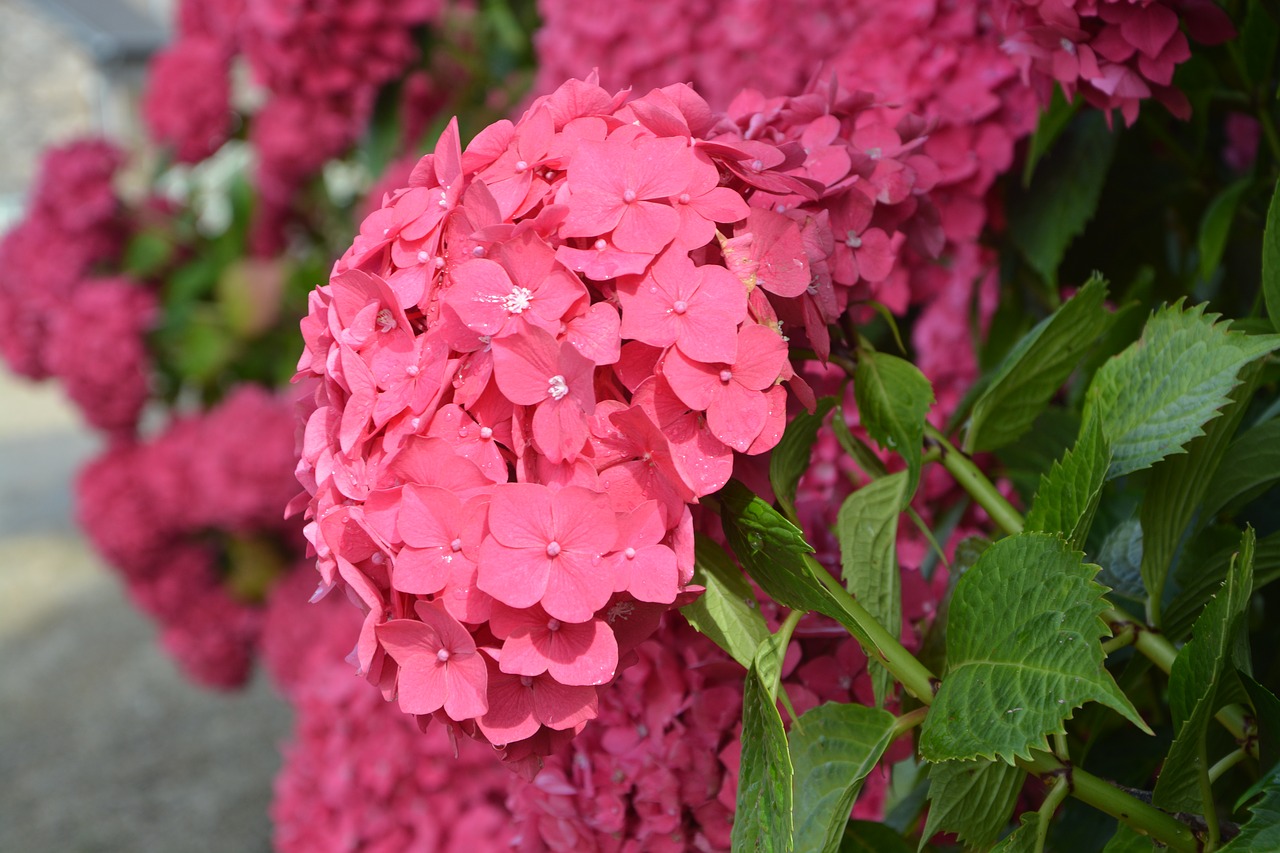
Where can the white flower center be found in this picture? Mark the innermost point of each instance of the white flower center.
(442, 655)
(680, 306)
(557, 387)
(553, 548)
(726, 375)
(631, 553)
(386, 320)
(517, 300)
(456, 545)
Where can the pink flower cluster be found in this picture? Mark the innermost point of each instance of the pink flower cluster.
(1116, 53)
(96, 346)
(658, 770)
(941, 61)
(537, 355)
(321, 62)
(165, 511)
(720, 46)
(74, 222)
(358, 775)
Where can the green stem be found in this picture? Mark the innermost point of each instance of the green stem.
(1060, 748)
(1058, 793)
(908, 721)
(1127, 635)
(973, 481)
(1206, 797)
(913, 675)
(1231, 759)
(1144, 818)
(785, 630)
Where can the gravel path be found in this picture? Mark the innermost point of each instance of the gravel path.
(104, 747)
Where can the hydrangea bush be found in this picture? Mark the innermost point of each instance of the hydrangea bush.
(635, 392)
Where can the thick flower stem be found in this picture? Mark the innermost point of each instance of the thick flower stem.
(913, 675)
(1144, 818)
(973, 481)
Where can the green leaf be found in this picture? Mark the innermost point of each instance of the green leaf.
(1196, 683)
(1047, 217)
(833, 748)
(773, 551)
(973, 799)
(1025, 839)
(727, 612)
(1258, 40)
(1121, 558)
(147, 253)
(1154, 397)
(867, 527)
(1029, 458)
(1266, 713)
(1053, 121)
(1203, 569)
(857, 448)
(1127, 840)
(1176, 488)
(1023, 652)
(1032, 372)
(790, 459)
(1271, 260)
(1068, 495)
(1262, 833)
(1250, 467)
(866, 836)
(762, 820)
(890, 321)
(893, 399)
(1215, 226)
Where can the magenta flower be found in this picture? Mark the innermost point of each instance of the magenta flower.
(548, 547)
(527, 288)
(696, 308)
(441, 535)
(534, 369)
(521, 704)
(584, 653)
(439, 667)
(732, 395)
(622, 187)
(644, 566)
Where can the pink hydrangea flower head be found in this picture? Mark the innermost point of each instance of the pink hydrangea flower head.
(74, 206)
(587, 299)
(190, 519)
(1116, 53)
